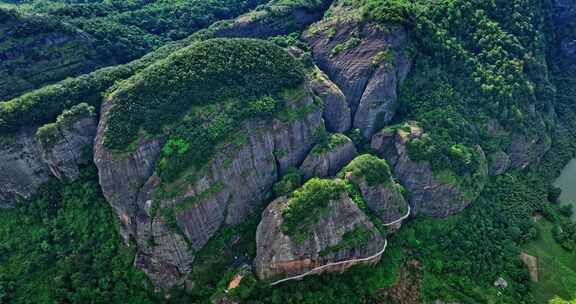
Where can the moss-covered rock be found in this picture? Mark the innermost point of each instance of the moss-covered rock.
(434, 193)
(383, 196)
(319, 229)
(328, 156)
(67, 143)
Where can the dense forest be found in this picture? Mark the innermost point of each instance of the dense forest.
(199, 107)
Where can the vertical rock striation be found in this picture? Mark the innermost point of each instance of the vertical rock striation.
(367, 62)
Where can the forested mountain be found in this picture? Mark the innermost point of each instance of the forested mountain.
(287, 151)
(47, 41)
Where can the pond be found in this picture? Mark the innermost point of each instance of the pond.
(567, 182)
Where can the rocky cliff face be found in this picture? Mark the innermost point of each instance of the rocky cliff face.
(337, 113)
(235, 182)
(67, 144)
(31, 157)
(279, 256)
(523, 149)
(328, 158)
(23, 170)
(429, 194)
(35, 51)
(381, 193)
(367, 62)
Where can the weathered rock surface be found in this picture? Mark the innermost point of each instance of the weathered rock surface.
(278, 256)
(384, 197)
(122, 175)
(499, 163)
(324, 162)
(22, 170)
(367, 62)
(524, 149)
(69, 145)
(429, 195)
(27, 161)
(230, 187)
(337, 113)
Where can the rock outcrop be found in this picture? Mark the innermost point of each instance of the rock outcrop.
(327, 158)
(21, 166)
(430, 194)
(67, 144)
(499, 163)
(367, 61)
(31, 157)
(343, 233)
(381, 193)
(122, 175)
(231, 186)
(337, 113)
(524, 149)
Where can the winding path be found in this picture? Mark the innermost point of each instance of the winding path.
(352, 261)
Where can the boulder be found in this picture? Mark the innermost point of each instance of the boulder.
(367, 61)
(341, 237)
(430, 194)
(327, 158)
(381, 193)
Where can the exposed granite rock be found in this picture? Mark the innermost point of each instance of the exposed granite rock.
(326, 160)
(122, 175)
(163, 252)
(21, 166)
(384, 197)
(66, 144)
(429, 194)
(278, 256)
(499, 163)
(337, 114)
(367, 62)
(231, 186)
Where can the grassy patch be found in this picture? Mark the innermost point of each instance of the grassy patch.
(557, 266)
(373, 169)
(307, 205)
